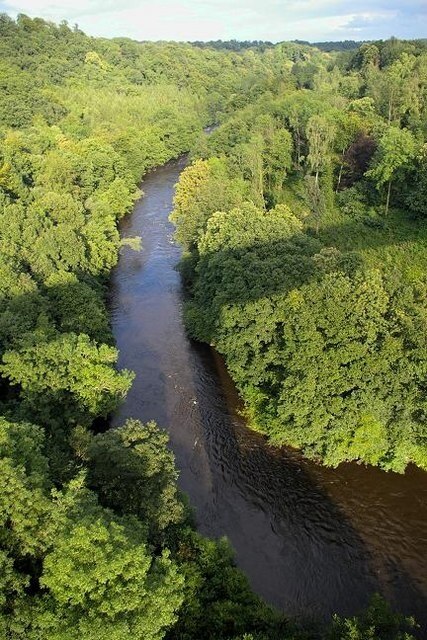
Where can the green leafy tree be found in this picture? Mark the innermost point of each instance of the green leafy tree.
(102, 582)
(378, 622)
(204, 188)
(320, 136)
(70, 364)
(133, 472)
(395, 149)
(416, 197)
(277, 162)
(24, 506)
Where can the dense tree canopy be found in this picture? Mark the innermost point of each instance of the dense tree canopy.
(315, 288)
(95, 539)
(323, 332)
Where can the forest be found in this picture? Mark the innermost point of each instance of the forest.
(301, 216)
(303, 221)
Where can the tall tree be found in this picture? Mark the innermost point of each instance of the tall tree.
(320, 136)
(395, 149)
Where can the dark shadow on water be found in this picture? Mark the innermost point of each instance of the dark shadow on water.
(326, 560)
(311, 540)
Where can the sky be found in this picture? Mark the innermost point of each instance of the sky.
(273, 20)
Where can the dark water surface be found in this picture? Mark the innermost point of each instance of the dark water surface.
(311, 540)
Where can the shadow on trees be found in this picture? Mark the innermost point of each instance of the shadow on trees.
(324, 558)
(39, 318)
(248, 273)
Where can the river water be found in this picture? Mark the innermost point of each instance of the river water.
(311, 540)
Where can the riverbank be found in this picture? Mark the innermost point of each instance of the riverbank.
(309, 538)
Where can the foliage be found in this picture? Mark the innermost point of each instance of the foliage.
(204, 187)
(325, 340)
(92, 566)
(416, 197)
(378, 622)
(322, 366)
(102, 581)
(70, 364)
(396, 147)
(323, 336)
(133, 472)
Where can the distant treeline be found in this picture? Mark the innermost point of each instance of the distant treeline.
(262, 45)
(352, 45)
(234, 45)
(330, 45)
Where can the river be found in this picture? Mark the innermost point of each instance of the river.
(311, 540)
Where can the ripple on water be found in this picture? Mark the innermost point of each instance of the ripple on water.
(311, 540)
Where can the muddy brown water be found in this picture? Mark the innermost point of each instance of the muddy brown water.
(311, 540)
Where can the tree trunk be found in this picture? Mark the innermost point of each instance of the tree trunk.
(261, 183)
(341, 170)
(298, 147)
(390, 107)
(387, 204)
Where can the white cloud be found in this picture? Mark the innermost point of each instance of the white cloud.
(61, 8)
(241, 19)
